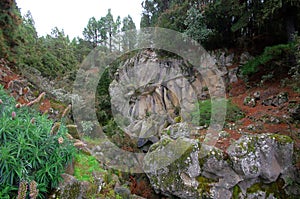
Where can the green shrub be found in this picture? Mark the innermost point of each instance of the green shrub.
(27, 150)
(202, 113)
(295, 69)
(277, 52)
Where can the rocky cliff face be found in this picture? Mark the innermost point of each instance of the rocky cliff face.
(150, 93)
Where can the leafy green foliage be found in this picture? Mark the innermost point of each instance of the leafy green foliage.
(103, 98)
(9, 21)
(129, 38)
(102, 32)
(174, 17)
(277, 52)
(28, 151)
(294, 71)
(53, 55)
(96, 32)
(196, 26)
(232, 21)
(202, 114)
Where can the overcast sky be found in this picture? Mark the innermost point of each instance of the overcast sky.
(73, 15)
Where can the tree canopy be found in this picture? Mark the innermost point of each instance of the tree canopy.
(231, 21)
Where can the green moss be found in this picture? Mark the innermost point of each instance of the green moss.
(275, 188)
(72, 192)
(235, 192)
(249, 145)
(91, 142)
(84, 167)
(178, 119)
(204, 184)
(284, 139)
(171, 178)
(202, 160)
(217, 154)
(163, 142)
(179, 163)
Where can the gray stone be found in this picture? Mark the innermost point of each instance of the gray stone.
(251, 127)
(232, 75)
(220, 193)
(268, 102)
(170, 175)
(179, 130)
(72, 188)
(136, 197)
(256, 95)
(245, 57)
(207, 172)
(257, 195)
(249, 101)
(229, 59)
(295, 112)
(277, 100)
(149, 93)
(123, 192)
(224, 134)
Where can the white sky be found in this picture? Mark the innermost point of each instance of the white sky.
(73, 15)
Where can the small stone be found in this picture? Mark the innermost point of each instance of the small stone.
(248, 101)
(295, 112)
(245, 57)
(256, 95)
(122, 191)
(232, 75)
(276, 100)
(267, 102)
(224, 134)
(274, 120)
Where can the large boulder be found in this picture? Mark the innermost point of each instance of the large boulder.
(73, 188)
(173, 167)
(188, 169)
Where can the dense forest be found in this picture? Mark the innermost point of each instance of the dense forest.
(268, 30)
(250, 25)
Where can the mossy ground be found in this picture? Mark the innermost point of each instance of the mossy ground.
(84, 166)
(204, 185)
